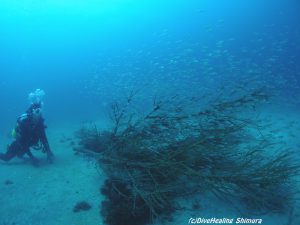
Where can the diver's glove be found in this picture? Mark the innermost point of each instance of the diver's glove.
(34, 161)
(50, 157)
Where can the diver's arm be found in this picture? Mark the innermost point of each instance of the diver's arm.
(45, 143)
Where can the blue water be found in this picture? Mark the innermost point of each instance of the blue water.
(85, 54)
(61, 47)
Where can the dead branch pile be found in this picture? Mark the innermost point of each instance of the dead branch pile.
(181, 147)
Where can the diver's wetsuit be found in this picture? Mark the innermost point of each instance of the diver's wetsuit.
(29, 133)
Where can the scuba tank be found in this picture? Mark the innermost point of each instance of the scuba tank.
(16, 131)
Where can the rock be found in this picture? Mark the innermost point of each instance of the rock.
(8, 182)
(82, 206)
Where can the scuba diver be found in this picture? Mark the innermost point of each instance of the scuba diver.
(30, 132)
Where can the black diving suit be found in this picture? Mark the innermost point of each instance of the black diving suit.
(29, 133)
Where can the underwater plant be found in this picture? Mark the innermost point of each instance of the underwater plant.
(92, 139)
(183, 146)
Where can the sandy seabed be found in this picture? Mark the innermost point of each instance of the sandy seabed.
(46, 195)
